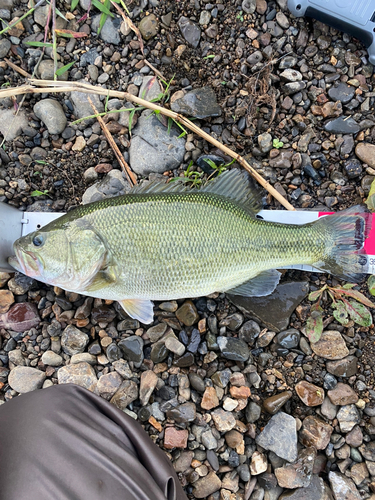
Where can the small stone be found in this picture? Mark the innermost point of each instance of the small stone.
(81, 374)
(253, 412)
(122, 367)
(265, 142)
(342, 394)
(183, 462)
(331, 345)
(50, 358)
(79, 144)
(274, 403)
(187, 313)
(346, 367)
(233, 348)
(328, 409)
(343, 487)
(183, 413)
(206, 485)
(73, 341)
(359, 473)
(288, 339)
(297, 475)
(342, 125)
(310, 394)
(230, 404)
(210, 399)
(316, 490)
(174, 438)
(6, 300)
(156, 332)
(342, 92)
(190, 31)
(366, 152)
(83, 357)
(20, 317)
(280, 436)
(149, 379)
(175, 346)
(148, 27)
(110, 32)
(348, 416)
(24, 379)
(126, 394)
(199, 103)
(249, 332)
(224, 420)
(52, 115)
(132, 348)
(355, 437)
(46, 70)
(258, 463)
(108, 384)
(5, 46)
(315, 433)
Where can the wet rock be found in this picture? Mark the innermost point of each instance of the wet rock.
(274, 403)
(132, 348)
(108, 384)
(174, 438)
(348, 416)
(258, 463)
(153, 148)
(342, 394)
(316, 490)
(126, 394)
(315, 433)
(190, 31)
(224, 420)
(249, 332)
(310, 394)
(297, 475)
(331, 345)
(274, 310)
(113, 352)
(346, 367)
(342, 125)
(81, 374)
(366, 152)
(149, 379)
(233, 348)
(113, 184)
(73, 341)
(50, 358)
(25, 379)
(342, 92)
(206, 485)
(328, 409)
(232, 322)
(199, 103)
(110, 32)
(343, 488)
(280, 436)
(288, 338)
(148, 27)
(210, 399)
(183, 413)
(187, 313)
(6, 300)
(20, 317)
(197, 382)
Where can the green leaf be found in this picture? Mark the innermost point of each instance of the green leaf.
(38, 44)
(371, 284)
(211, 56)
(315, 295)
(348, 286)
(102, 21)
(131, 116)
(358, 312)
(74, 4)
(355, 294)
(39, 193)
(314, 326)
(102, 7)
(65, 68)
(340, 312)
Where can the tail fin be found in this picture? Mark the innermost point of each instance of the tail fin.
(345, 234)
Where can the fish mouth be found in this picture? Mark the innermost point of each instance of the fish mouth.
(26, 262)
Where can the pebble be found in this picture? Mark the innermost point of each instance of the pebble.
(288, 338)
(310, 394)
(73, 341)
(346, 367)
(274, 403)
(224, 420)
(233, 348)
(249, 332)
(210, 399)
(81, 374)
(6, 300)
(125, 394)
(253, 412)
(108, 384)
(46, 70)
(113, 184)
(4, 47)
(20, 317)
(183, 413)
(148, 382)
(316, 490)
(342, 92)
(297, 475)
(174, 438)
(190, 31)
(258, 463)
(50, 358)
(342, 125)
(24, 379)
(366, 153)
(280, 436)
(187, 314)
(83, 357)
(199, 103)
(343, 487)
(132, 349)
(150, 88)
(110, 32)
(51, 113)
(80, 144)
(10, 125)
(148, 27)
(315, 432)
(82, 107)
(348, 416)
(328, 409)
(342, 394)
(331, 345)
(355, 437)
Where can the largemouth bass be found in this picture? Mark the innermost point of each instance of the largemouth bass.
(163, 242)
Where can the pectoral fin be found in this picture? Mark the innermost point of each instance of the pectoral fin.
(140, 309)
(102, 279)
(263, 284)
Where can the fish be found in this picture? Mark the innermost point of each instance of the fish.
(167, 242)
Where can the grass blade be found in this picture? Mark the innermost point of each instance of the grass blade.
(38, 44)
(65, 68)
(102, 7)
(74, 4)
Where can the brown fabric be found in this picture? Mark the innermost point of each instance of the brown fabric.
(65, 443)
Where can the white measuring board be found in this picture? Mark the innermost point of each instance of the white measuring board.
(32, 221)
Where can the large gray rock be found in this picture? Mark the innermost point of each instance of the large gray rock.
(81, 374)
(10, 125)
(152, 148)
(280, 436)
(26, 379)
(113, 184)
(51, 113)
(343, 488)
(317, 490)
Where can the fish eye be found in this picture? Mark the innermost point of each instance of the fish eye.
(38, 240)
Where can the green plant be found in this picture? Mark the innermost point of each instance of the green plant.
(39, 193)
(211, 56)
(219, 169)
(240, 16)
(346, 304)
(277, 144)
(371, 285)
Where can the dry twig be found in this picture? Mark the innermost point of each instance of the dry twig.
(41, 86)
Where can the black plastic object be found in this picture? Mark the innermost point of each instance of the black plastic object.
(355, 17)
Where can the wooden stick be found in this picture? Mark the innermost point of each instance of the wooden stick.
(129, 174)
(17, 68)
(58, 86)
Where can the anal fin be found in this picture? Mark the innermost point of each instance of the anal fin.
(140, 309)
(259, 286)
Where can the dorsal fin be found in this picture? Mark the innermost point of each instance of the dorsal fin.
(157, 186)
(236, 185)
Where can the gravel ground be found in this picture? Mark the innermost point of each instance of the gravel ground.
(245, 406)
